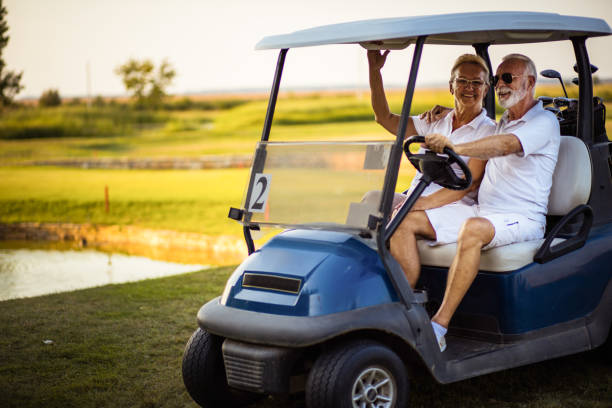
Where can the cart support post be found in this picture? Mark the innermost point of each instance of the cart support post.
(482, 50)
(601, 187)
(274, 94)
(585, 92)
(396, 152)
(259, 159)
(396, 275)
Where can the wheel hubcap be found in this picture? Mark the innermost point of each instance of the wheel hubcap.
(374, 388)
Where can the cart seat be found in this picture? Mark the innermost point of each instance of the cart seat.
(571, 187)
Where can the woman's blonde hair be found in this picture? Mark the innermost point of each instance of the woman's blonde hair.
(470, 59)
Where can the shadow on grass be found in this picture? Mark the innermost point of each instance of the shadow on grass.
(582, 380)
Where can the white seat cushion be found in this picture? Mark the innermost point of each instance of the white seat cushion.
(571, 187)
(572, 177)
(501, 259)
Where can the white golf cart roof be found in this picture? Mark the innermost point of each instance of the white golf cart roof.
(505, 27)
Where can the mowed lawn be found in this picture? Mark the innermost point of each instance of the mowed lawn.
(122, 345)
(183, 200)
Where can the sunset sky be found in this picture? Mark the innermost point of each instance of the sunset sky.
(211, 43)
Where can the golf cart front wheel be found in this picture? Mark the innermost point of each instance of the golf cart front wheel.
(358, 375)
(204, 374)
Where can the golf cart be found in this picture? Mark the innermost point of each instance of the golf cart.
(323, 307)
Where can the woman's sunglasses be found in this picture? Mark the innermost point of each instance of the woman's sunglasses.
(506, 77)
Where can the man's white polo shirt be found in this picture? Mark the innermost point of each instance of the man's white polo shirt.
(520, 183)
(481, 126)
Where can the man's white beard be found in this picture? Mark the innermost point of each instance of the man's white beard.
(513, 99)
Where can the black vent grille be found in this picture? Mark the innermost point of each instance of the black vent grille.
(244, 373)
(271, 282)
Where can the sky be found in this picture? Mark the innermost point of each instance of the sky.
(75, 45)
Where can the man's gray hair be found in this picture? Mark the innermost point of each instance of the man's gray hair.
(529, 65)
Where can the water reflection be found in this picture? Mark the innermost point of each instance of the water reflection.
(33, 272)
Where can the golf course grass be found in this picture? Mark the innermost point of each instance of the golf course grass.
(182, 200)
(121, 346)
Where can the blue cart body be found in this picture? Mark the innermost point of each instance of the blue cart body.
(337, 272)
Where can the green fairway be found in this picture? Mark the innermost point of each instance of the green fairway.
(184, 200)
(122, 345)
(181, 200)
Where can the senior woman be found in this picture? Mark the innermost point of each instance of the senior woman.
(469, 83)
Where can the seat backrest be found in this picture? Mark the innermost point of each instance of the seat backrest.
(571, 184)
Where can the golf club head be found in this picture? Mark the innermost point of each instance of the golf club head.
(546, 100)
(568, 103)
(593, 68)
(575, 81)
(550, 73)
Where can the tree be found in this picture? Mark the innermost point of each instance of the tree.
(147, 86)
(50, 97)
(9, 81)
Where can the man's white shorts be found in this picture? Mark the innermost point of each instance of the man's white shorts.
(509, 227)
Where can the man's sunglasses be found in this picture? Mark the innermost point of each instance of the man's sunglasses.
(506, 77)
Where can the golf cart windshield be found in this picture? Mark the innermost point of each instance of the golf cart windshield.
(315, 185)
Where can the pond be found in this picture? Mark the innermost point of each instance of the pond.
(27, 270)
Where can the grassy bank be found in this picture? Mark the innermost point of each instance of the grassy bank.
(121, 346)
(75, 121)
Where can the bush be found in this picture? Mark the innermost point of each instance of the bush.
(186, 103)
(50, 97)
(98, 102)
(76, 101)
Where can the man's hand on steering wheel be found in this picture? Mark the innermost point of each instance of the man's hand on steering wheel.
(438, 168)
(437, 142)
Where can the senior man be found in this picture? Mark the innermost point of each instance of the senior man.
(513, 195)
(469, 83)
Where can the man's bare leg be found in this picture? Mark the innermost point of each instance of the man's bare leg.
(404, 247)
(474, 234)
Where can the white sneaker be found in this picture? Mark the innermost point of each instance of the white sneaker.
(440, 332)
(442, 343)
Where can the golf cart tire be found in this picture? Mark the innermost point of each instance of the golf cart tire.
(335, 374)
(204, 374)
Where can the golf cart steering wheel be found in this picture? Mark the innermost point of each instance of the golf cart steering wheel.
(437, 168)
